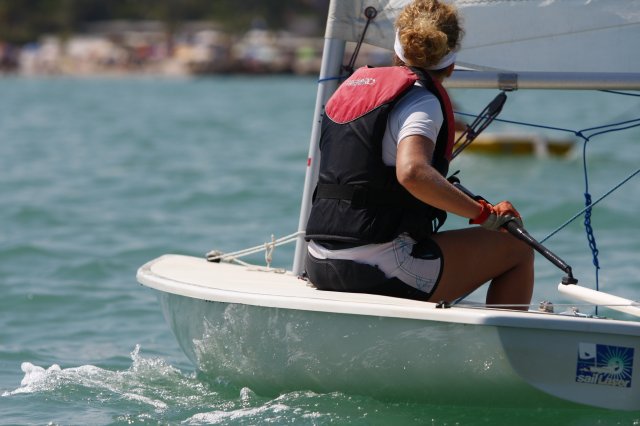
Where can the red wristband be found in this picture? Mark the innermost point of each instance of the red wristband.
(484, 214)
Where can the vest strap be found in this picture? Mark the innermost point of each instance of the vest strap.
(360, 196)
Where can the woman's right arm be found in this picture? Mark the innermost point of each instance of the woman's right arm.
(415, 173)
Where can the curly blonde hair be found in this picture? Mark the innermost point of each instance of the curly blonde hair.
(428, 30)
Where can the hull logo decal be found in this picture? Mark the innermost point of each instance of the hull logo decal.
(604, 365)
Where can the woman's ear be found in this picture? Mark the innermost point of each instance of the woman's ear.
(450, 69)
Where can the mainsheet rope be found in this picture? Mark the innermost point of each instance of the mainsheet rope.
(586, 135)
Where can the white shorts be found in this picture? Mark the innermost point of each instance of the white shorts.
(417, 265)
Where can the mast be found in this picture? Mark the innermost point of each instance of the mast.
(330, 68)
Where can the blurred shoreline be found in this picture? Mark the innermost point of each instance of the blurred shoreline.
(125, 47)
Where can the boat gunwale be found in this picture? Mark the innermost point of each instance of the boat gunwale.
(381, 306)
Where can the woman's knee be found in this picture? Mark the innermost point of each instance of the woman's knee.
(524, 252)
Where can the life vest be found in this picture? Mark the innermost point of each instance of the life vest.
(358, 199)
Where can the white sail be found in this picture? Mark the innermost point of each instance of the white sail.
(589, 37)
(552, 35)
(522, 35)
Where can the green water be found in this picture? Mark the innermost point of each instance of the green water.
(98, 176)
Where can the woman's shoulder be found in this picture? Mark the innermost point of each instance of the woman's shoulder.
(418, 99)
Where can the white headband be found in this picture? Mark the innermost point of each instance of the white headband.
(446, 60)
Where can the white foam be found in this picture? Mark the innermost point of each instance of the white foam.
(34, 374)
(128, 384)
(219, 415)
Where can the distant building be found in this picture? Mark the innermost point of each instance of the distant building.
(117, 47)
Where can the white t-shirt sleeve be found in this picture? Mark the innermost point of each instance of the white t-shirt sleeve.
(418, 113)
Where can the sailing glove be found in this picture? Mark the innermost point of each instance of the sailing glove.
(490, 219)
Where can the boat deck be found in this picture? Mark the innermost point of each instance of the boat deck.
(222, 282)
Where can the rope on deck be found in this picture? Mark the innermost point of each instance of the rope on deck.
(267, 247)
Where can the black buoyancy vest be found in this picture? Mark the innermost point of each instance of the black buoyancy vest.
(358, 199)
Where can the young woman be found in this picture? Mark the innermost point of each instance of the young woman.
(385, 145)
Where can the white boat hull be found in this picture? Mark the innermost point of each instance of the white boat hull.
(273, 333)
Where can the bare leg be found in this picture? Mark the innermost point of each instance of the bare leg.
(473, 256)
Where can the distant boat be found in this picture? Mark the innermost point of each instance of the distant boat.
(516, 143)
(271, 331)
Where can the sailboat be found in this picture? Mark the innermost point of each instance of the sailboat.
(270, 330)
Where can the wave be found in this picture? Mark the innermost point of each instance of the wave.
(135, 384)
(153, 390)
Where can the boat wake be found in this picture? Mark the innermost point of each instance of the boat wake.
(152, 390)
(137, 384)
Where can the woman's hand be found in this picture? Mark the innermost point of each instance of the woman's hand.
(493, 217)
(504, 208)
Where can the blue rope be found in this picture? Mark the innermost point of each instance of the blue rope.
(577, 215)
(340, 77)
(616, 92)
(579, 133)
(585, 135)
(637, 121)
(591, 238)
